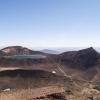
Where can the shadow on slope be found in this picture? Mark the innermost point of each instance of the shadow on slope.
(18, 79)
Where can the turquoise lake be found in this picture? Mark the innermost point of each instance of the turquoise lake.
(29, 57)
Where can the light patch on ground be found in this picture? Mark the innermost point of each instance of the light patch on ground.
(9, 68)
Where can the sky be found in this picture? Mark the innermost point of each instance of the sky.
(50, 23)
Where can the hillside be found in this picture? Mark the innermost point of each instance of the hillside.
(21, 79)
(19, 50)
(82, 59)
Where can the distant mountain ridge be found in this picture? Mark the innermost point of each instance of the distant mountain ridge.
(50, 51)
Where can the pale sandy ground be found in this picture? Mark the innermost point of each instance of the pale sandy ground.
(9, 68)
(28, 94)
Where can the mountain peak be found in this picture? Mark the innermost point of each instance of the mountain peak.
(81, 59)
(19, 50)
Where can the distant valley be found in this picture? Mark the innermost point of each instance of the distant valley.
(50, 51)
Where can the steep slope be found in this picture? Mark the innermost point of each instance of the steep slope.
(82, 59)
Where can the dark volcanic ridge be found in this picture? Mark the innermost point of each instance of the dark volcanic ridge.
(85, 58)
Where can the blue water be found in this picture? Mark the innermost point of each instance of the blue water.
(29, 57)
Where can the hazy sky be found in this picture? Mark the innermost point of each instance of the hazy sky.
(50, 23)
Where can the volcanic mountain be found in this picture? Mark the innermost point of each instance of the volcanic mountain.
(19, 50)
(85, 58)
(82, 64)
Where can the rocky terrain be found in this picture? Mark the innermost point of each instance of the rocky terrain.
(77, 72)
(85, 58)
